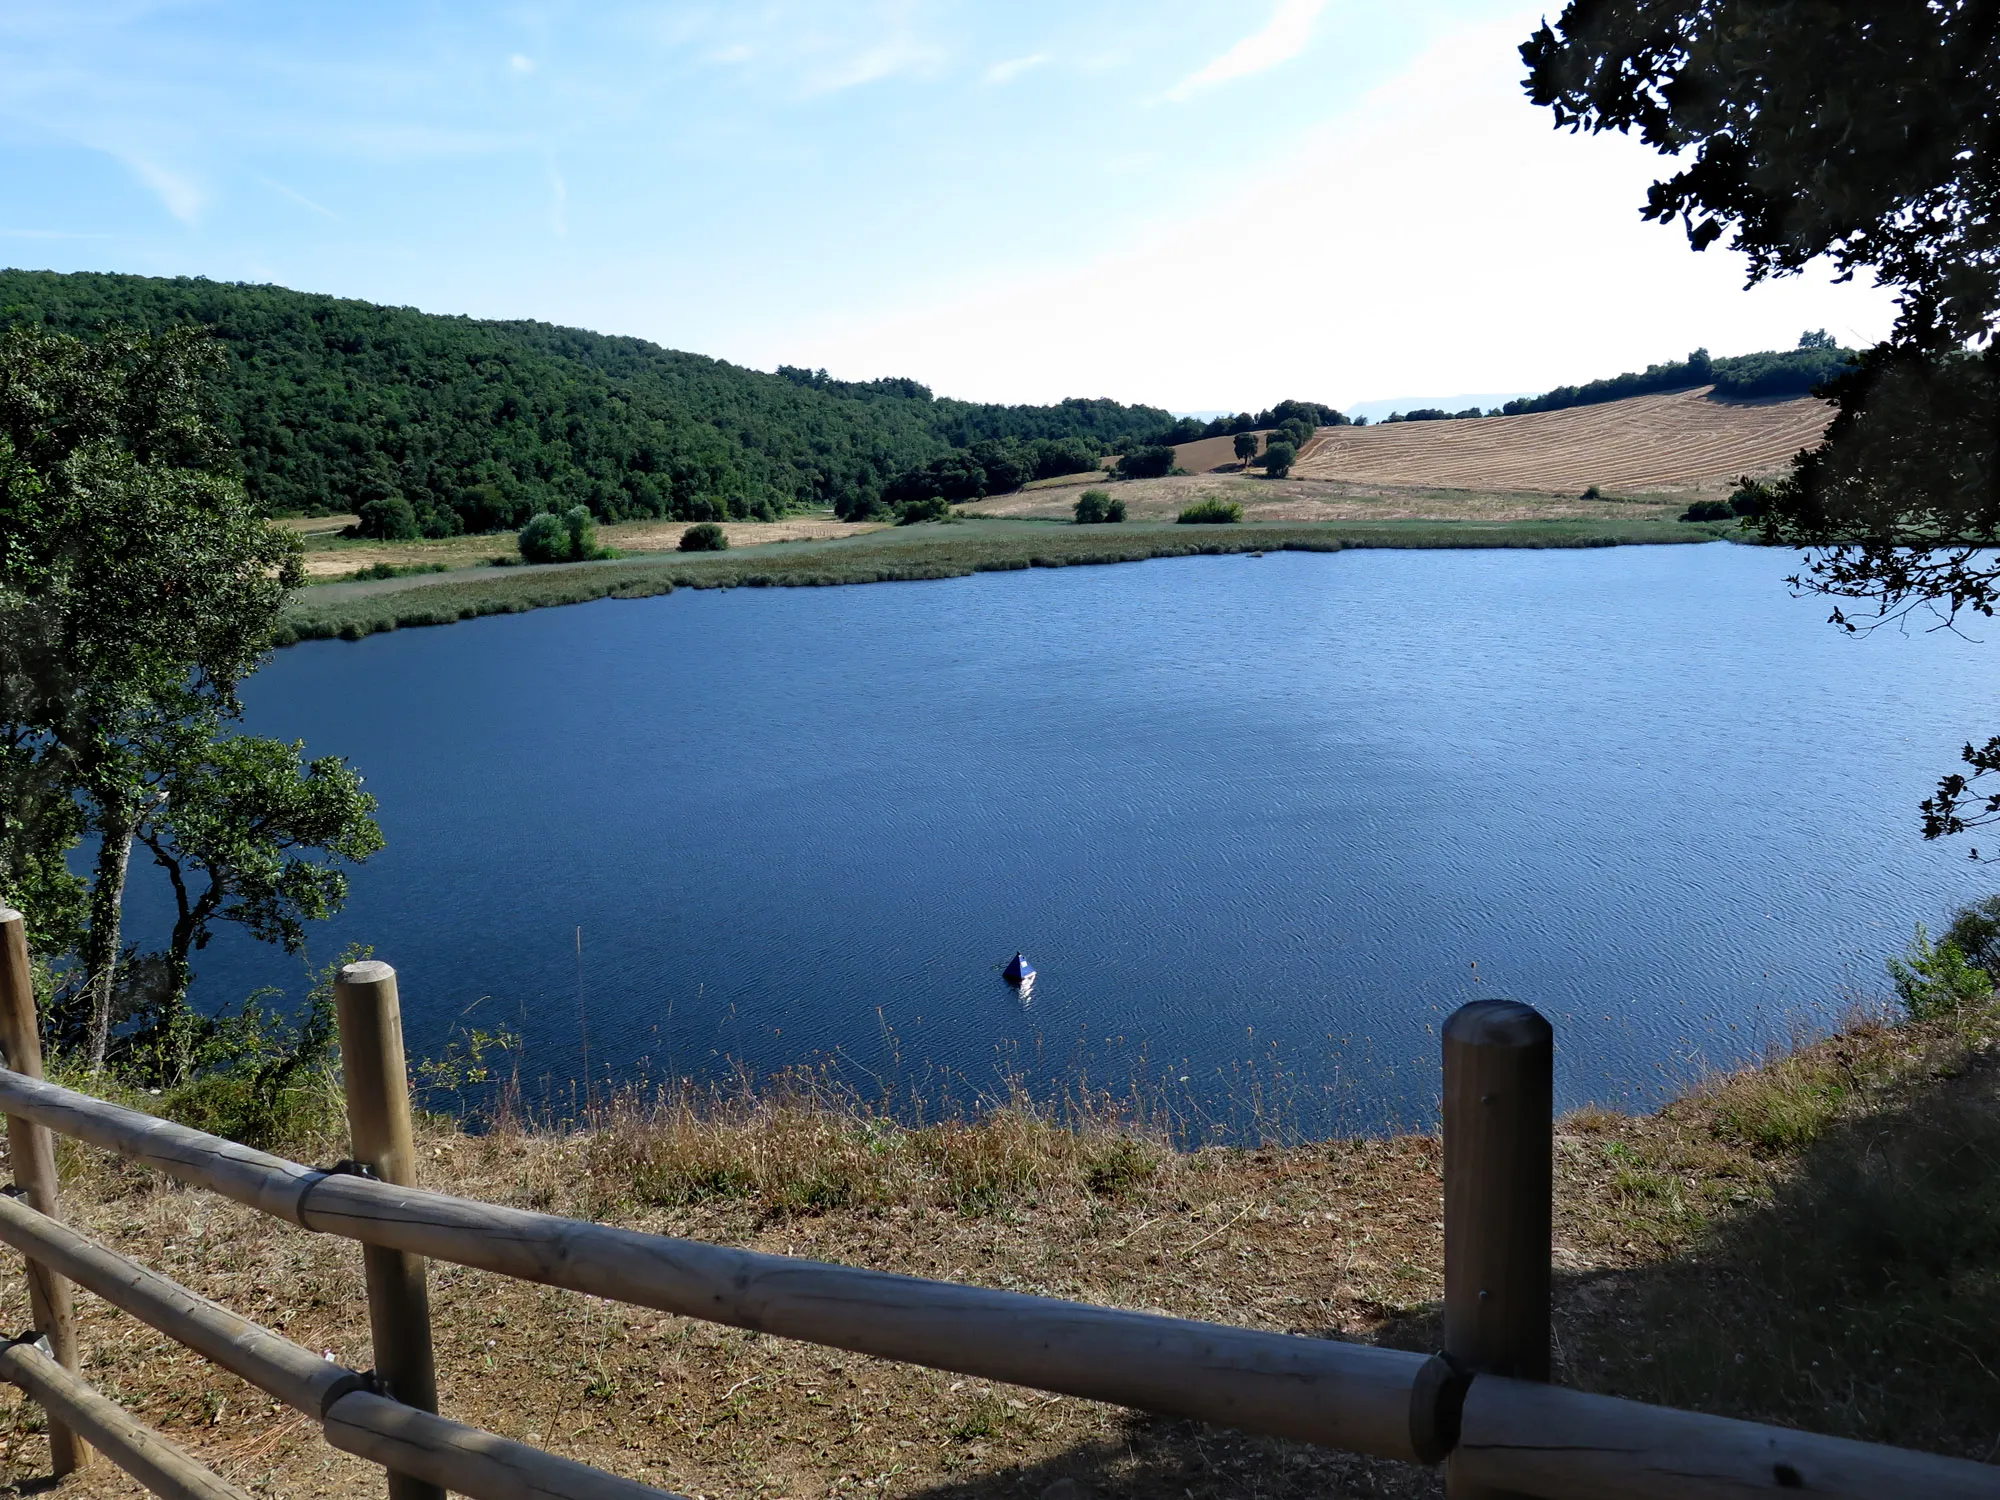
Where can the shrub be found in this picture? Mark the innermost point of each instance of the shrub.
(1278, 458)
(544, 539)
(391, 570)
(1093, 506)
(569, 537)
(392, 519)
(1709, 510)
(1750, 499)
(1115, 510)
(1935, 979)
(706, 537)
(910, 512)
(581, 528)
(1211, 513)
(1975, 932)
(1593, 493)
(1150, 462)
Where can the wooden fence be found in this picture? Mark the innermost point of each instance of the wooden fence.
(1482, 1406)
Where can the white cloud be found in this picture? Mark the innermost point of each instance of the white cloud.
(521, 64)
(1283, 38)
(1014, 67)
(1440, 236)
(886, 59)
(298, 197)
(182, 196)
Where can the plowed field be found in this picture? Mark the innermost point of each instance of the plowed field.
(1685, 440)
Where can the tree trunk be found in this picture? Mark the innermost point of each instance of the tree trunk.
(173, 1029)
(107, 903)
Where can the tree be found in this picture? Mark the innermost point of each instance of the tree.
(1092, 506)
(1246, 447)
(581, 529)
(543, 539)
(1278, 458)
(137, 589)
(248, 832)
(1149, 462)
(705, 536)
(389, 519)
(1860, 135)
(569, 537)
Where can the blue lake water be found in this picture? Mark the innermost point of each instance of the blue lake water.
(1261, 823)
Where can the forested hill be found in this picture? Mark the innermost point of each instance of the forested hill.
(1741, 377)
(480, 424)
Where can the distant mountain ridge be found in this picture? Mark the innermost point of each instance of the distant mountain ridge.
(479, 424)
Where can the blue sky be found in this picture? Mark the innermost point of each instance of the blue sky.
(1202, 205)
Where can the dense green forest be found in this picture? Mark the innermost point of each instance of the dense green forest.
(479, 425)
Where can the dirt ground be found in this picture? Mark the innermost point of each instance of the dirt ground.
(1300, 499)
(1325, 1242)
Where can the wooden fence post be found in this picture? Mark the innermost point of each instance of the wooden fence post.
(1499, 1147)
(32, 1151)
(378, 1125)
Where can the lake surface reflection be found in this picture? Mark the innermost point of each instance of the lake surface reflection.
(1260, 823)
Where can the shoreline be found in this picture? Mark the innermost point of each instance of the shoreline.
(352, 610)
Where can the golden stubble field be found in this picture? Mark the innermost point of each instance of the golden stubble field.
(1686, 442)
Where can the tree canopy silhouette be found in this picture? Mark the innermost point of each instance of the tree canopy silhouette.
(1865, 136)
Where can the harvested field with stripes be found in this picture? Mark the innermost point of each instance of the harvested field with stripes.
(1685, 441)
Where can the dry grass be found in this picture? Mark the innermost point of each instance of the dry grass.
(1301, 499)
(1685, 441)
(1747, 1218)
(330, 556)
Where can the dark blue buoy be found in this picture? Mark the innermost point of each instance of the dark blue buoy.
(1020, 971)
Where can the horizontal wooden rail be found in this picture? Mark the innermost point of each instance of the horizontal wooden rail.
(402, 1438)
(1348, 1396)
(159, 1465)
(1517, 1435)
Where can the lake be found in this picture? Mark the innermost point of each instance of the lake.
(1260, 823)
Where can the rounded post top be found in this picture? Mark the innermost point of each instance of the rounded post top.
(8, 914)
(1498, 1023)
(368, 971)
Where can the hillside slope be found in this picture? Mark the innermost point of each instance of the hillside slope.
(1683, 440)
(480, 424)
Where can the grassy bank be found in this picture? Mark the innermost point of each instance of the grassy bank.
(350, 611)
(1815, 1241)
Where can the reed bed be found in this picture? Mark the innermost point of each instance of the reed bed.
(908, 555)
